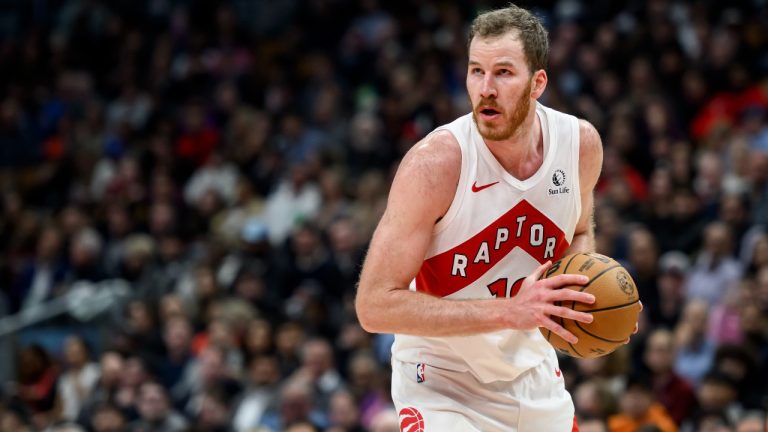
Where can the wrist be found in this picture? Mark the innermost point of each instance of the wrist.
(507, 314)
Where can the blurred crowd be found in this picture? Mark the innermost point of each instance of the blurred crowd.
(230, 159)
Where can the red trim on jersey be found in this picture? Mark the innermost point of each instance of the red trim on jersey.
(435, 274)
(575, 427)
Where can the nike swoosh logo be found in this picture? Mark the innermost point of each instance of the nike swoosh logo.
(476, 188)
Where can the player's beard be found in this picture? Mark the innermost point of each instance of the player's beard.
(508, 128)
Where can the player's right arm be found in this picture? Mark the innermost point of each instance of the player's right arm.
(421, 193)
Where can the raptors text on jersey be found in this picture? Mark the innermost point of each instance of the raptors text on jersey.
(523, 226)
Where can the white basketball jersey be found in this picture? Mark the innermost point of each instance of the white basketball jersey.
(497, 230)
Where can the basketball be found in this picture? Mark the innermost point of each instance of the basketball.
(615, 310)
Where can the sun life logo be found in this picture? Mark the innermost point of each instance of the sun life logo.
(558, 179)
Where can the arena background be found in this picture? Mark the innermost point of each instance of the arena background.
(188, 188)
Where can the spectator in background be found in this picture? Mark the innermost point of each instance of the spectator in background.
(288, 341)
(216, 176)
(107, 418)
(369, 385)
(348, 252)
(37, 378)
(215, 409)
(295, 404)
(119, 226)
(715, 272)
(177, 338)
(206, 379)
(12, 420)
(695, 353)
(638, 410)
(84, 256)
(593, 425)
(296, 199)
(752, 422)
(155, 412)
(738, 364)
(673, 267)
(343, 413)
(79, 379)
(41, 278)
(593, 401)
(717, 396)
(335, 203)
(724, 325)
(318, 369)
(132, 377)
(673, 392)
(643, 259)
(684, 230)
(136, 265)
(260, 392)
(111, 368)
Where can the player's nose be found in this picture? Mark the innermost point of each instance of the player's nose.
(488, 87)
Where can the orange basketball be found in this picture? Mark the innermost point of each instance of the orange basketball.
(615, 310)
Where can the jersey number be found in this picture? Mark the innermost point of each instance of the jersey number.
(498, 288)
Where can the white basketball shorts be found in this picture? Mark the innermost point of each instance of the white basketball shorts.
(429, 399)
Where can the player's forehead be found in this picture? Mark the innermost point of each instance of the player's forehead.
(507, 47)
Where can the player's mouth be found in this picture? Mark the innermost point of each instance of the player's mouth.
(488, 113)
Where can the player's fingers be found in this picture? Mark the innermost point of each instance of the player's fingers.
(564, 280)
(569, 313)
(641, 305)
(560, 331)
(637, 327)
(567, 294)
(540, 270)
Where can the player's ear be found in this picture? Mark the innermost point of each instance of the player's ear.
(538, 83)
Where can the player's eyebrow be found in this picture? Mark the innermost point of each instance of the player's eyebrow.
(504, 63)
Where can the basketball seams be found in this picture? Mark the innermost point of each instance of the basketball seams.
(607, 308)
(575, 350)
(578, 324)
(565, 270)
(598, 275)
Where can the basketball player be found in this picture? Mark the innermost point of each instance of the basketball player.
(477, 211)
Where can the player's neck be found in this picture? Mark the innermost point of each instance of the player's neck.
(523, 153)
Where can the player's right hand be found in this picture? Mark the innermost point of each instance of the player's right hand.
(535, 303)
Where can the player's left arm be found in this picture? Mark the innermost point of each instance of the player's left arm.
(590, 165)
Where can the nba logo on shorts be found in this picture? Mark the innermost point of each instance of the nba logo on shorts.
(420, 372)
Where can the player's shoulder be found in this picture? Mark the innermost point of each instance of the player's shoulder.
(590, 154)
(427, 176)
(590, 144)
(438, 153)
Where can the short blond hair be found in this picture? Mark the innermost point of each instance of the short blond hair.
(531, 32)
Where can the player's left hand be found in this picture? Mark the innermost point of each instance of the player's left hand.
(637, 326)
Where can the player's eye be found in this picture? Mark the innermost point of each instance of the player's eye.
(476, 71)
(504, 72)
